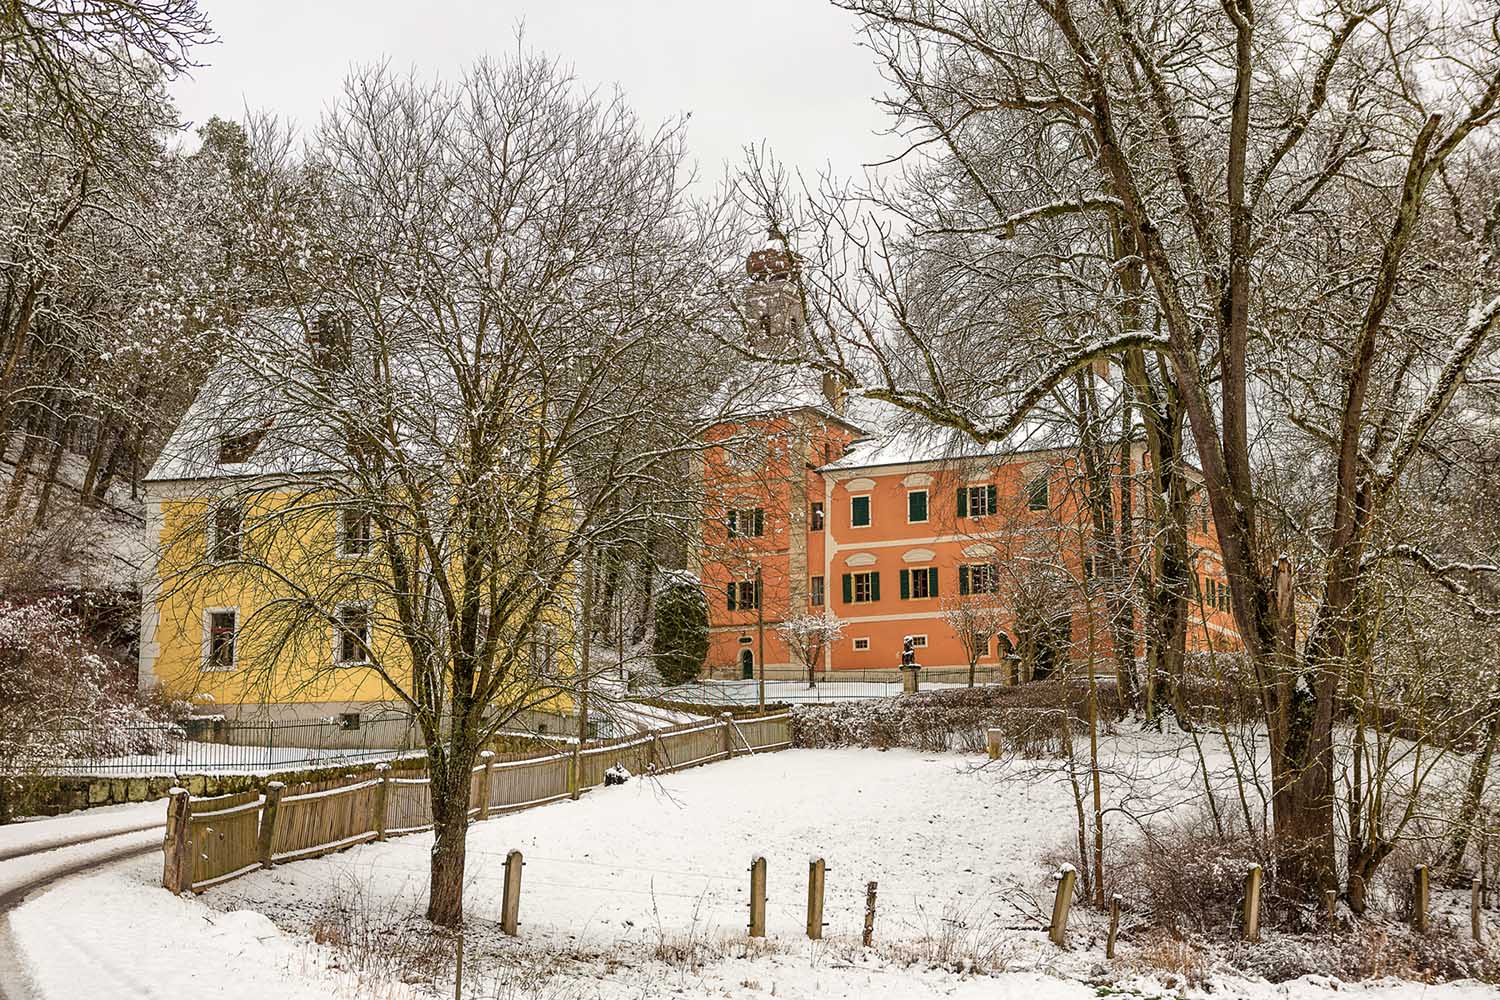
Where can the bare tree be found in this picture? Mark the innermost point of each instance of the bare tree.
(807, 636)
(495, 284)
(975, 619)
(1240, 190)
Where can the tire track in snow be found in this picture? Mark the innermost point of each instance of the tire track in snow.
(76, 857)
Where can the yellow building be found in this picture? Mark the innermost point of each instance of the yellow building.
(271, 596)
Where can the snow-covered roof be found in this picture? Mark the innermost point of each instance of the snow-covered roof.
(758, 390)
(909, 444)
(269, 392)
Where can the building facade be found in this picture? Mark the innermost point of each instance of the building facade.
(972, 553)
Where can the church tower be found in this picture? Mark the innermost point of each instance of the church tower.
(774, 306)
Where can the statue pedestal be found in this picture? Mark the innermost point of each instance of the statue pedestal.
(909, 677)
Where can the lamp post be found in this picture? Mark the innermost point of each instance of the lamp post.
(760, 638)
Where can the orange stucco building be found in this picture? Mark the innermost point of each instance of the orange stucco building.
(895, 534)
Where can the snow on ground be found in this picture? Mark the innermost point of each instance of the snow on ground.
(618, 882)
(44, 833)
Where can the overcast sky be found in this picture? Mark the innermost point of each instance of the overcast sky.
(789, 72)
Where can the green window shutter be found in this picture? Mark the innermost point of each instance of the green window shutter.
(905, 584)
(760, 522)
(732, 587)
(756, 588)
(989, 496)
(874, 586)
(963, 501)
(916, 506)
(848, 588)
(932, 590)
(963, 579)
(859, 511)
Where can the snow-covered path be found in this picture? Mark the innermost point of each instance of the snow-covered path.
(39, 853)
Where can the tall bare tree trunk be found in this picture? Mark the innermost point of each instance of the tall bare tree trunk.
(450, 828)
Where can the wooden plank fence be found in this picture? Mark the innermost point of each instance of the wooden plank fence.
(213, 840)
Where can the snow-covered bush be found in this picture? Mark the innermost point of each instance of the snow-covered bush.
(950, 719)
(1190, 878)
(60, 697)
(681, 629)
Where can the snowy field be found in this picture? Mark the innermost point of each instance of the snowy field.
(617, 886)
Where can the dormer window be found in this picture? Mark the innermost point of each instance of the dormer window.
(239, 447)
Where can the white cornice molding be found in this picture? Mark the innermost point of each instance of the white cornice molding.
(918, 556)
(860, 559)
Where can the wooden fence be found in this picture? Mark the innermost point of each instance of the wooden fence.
(213, 840)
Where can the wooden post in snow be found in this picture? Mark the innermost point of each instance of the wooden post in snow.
(382, 801)
(510, 901)
(816, 874)
(487, 759)
(869, 934)
(1419, 898)
(1114, 925)
(992, 743)
(1331, 903)
(726, 720)
(1252, 903)
(758, 896)
(177, 848)
(266, 836)
(1063, 902)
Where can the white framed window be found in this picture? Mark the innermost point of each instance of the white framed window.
(221, 628)
(815, 593)
(919, 642)
(916, 506)
(351, 643)
(977, 501)
(742, 595)
(978, 578)
(748, 522)
(1039, 493)
(861, 644)
(356, 533)
(226, 530)
(919, 583)
(861, 588)
(859, 511)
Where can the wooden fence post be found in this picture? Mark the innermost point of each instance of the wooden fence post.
(1331, 901)
(1058, 932)
(382, 806)
(1114, 925)
(758, 896)
(266, 835)
(487, 757)
(510, 901)
(1252, 903)
(177, 848)
(816, 874)
(869, 933)
(992, 743)
(726, 719)
(1419, 898)
(1475, 926)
